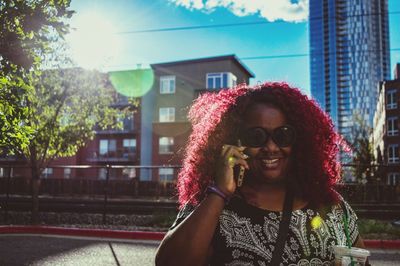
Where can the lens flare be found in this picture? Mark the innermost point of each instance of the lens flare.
(132, 83)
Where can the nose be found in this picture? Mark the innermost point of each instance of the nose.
(270, 145)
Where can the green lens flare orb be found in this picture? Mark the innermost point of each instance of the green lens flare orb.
(316, 222)
(132, 83)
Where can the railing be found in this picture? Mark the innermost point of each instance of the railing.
(127, 155)
(89, 185)
(134, 180)
(138, 182)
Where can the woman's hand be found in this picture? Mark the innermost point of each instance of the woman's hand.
(229, 157)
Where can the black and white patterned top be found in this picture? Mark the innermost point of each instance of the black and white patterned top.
(246, 235)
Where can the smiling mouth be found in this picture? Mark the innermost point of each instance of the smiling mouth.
(272, 163)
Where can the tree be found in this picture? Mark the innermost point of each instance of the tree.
(65, 107)
(363, 157)
(28, 28)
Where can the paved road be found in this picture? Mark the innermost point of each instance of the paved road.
(44, 250)
(36, 250)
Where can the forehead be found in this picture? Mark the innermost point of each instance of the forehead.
(264, 115)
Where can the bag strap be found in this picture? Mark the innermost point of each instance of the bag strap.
(283, 229)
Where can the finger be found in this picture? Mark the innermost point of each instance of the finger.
(238, 153)
(232, 161)
(242, 163)
(225, 149)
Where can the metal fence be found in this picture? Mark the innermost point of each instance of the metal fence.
(107, 182)
(91, 181)
(146, 181)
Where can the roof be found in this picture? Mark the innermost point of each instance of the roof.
(232, 57)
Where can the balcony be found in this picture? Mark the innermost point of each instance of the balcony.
(127, 128)
(121, 155)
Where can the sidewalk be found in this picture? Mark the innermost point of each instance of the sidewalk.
(36, 245)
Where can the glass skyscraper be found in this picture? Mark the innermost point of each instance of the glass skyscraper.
(349, 55)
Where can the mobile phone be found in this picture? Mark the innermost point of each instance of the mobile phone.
(239, 180)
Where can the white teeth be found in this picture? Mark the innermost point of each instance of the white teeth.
(270, 161)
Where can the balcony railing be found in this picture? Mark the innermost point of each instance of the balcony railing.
(120, 155)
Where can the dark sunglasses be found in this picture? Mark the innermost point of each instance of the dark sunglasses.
(255, 137)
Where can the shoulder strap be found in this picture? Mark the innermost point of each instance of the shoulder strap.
(283, 229)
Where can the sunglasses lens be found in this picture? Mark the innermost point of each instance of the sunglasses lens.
(254, 137)
(257, 137)
(284, 136)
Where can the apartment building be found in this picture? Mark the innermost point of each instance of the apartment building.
(155, 133)
(175, 87)
(386, 136)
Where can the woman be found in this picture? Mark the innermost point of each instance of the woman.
(288, 150)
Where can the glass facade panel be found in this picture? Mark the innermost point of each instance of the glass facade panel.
(392, 126)
(393, 179)
(220, 80)
(167, 114)
(391, 99)
(103, 146)
(67, 172)
(393, 153)
(167, 84)
(166, 174)
(166, 145)
(129, 145)
(349, 56)
(47, 172)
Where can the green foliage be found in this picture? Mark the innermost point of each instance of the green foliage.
(370, 228)
(162, 219)
(362, 149)
(65, 107)
(28, 28)
(13, 90)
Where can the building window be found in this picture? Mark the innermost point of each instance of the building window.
(220, 80)
(47, 172)
(108, 147)
(103, 173)
(67, 172)
(128, 123)
(166, 145)
(167, 114)
(393, 179)
(129, 172)
(392, 126)
(166, 174)
(167, 84)
(391, 99)
(393, 153)
(129, 145)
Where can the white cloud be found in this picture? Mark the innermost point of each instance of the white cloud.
(272, 10)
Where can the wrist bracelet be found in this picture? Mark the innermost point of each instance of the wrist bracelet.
(214, 189)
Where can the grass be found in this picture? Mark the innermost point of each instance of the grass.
(163, 219)
(378, 229)
(369, 228)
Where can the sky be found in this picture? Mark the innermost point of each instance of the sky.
(269, 36)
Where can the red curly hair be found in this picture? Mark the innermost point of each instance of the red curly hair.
(216, 117)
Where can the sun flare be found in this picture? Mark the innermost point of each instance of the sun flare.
(93, 42)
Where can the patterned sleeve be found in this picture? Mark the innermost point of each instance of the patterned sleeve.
(352, 221)
(182, 214)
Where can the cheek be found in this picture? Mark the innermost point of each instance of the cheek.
(287, 151)
(251, 152)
